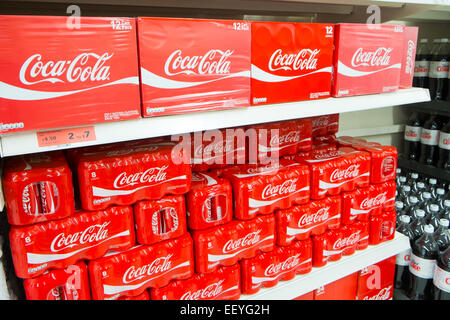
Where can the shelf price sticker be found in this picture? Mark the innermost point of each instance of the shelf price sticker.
(65, 136)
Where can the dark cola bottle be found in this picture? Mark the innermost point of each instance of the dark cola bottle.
(413, 178)
(424, 253)
(404, 195)
(413, 131)
(441, 235)
(402, 276)
(425, 201)
(429, 140)
(432, 185)
(440, 197)
(434, 215)
(400, 211)
(441, 283)
(418, 190)
(446, 212)
(444, 147)
(413, 205)
(418, 223)
(422, 65)
(438, 74)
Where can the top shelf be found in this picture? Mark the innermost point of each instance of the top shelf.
(26, 142)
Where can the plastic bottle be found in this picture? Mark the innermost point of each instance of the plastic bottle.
(438, 74)
(402, 276)
(404, 195)
(418, 223)
(424, 253)
(434, 215)
(413, 131)
(444, 147)
(440, 197)
(429, 140)
(432, 185)
(441, 285)
(422, 64)
(441, 235)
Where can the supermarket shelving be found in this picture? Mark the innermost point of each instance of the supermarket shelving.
(433, 107)
(424, 169)
(23, 143)
(333, 271)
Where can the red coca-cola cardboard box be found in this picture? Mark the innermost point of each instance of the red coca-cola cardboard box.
(367, 59)
(306, 296)
(193, 65)
(376, 277)
(342, 289)
(56, 76)
(291, 61)
(409, 57)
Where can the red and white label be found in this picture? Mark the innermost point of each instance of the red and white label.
(444, 140)
(403, 258)
(441, 279)
(421, 69)
(439, 69)
(412, 133)
(429, 137)
(422, 268)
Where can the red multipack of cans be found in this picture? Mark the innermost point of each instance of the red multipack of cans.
(209, 202)
(282, 263)
(58, 73)
(370, 62)
(125, 175)
(214, 149)
(333, 244)
(376, 281)
(222, 284)
(37, 188)
(409, 57)
(338, 170)
(61, 243)
(71, 283)
(320, 141)
(278, 139)
(384, 158)
(159, 220)
(131, 272)
(364, 202)
(301, 221)
(199, 64)
(324, 125)
(382, 227)
(291, 61)
(143, 296)
(225, 245)
(261, 189)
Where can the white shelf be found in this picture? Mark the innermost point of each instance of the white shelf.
(22, 143)
(301, 284)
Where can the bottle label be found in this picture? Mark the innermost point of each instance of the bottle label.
(421, 68)
(403, 258)
(412, 133)
(422, 268)
(439, 69)
(441, 279)
(444, 140)
(429, 137)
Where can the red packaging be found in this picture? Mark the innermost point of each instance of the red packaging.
(54, 75)
(364, 202)
(61, 243)
(306, 296)
(384, 158)
(143, 296)
(159, 220)
(37, 188)
(291, 137)
(300, 222)
(325, 140)
(342, 289)
(225, 245)
(325, 125)
(259, 189)
(199, 65)
(376, 277)
(71, 283)
(339, 170)
(282, 263)
(385, 293)
(209, 202)
(222, 284)
(409, 56)
(126, 175)
(291, 61)
(370, 62)
(214, 149)
(333, 244)
(382, 227)
(131, 272)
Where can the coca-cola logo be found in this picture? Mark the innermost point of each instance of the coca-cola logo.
(123, 152)
(349, 241)
(409, 68)
(411, 133)
(158, 265)
(286, 187)
(150, 175)
(91, 234)
(415, 266)
(275, 268)
(84, 67)
(326, 155)
(383, 294)
(290, 137)
(351, 172)
(213, 62)
(219, 147)
(320, 122)
(379, 57)
(262, 169)
(320, 216)
(305, 59)
(247, 241)
(209, 292)
(374, 202)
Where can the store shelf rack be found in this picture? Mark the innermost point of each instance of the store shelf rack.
(333, 271)
(438, 107)
(423, 169)
(23, 143)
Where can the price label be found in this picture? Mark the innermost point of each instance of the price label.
(65, 136)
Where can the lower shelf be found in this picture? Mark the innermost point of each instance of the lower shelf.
(301, 284)
(424, 169)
